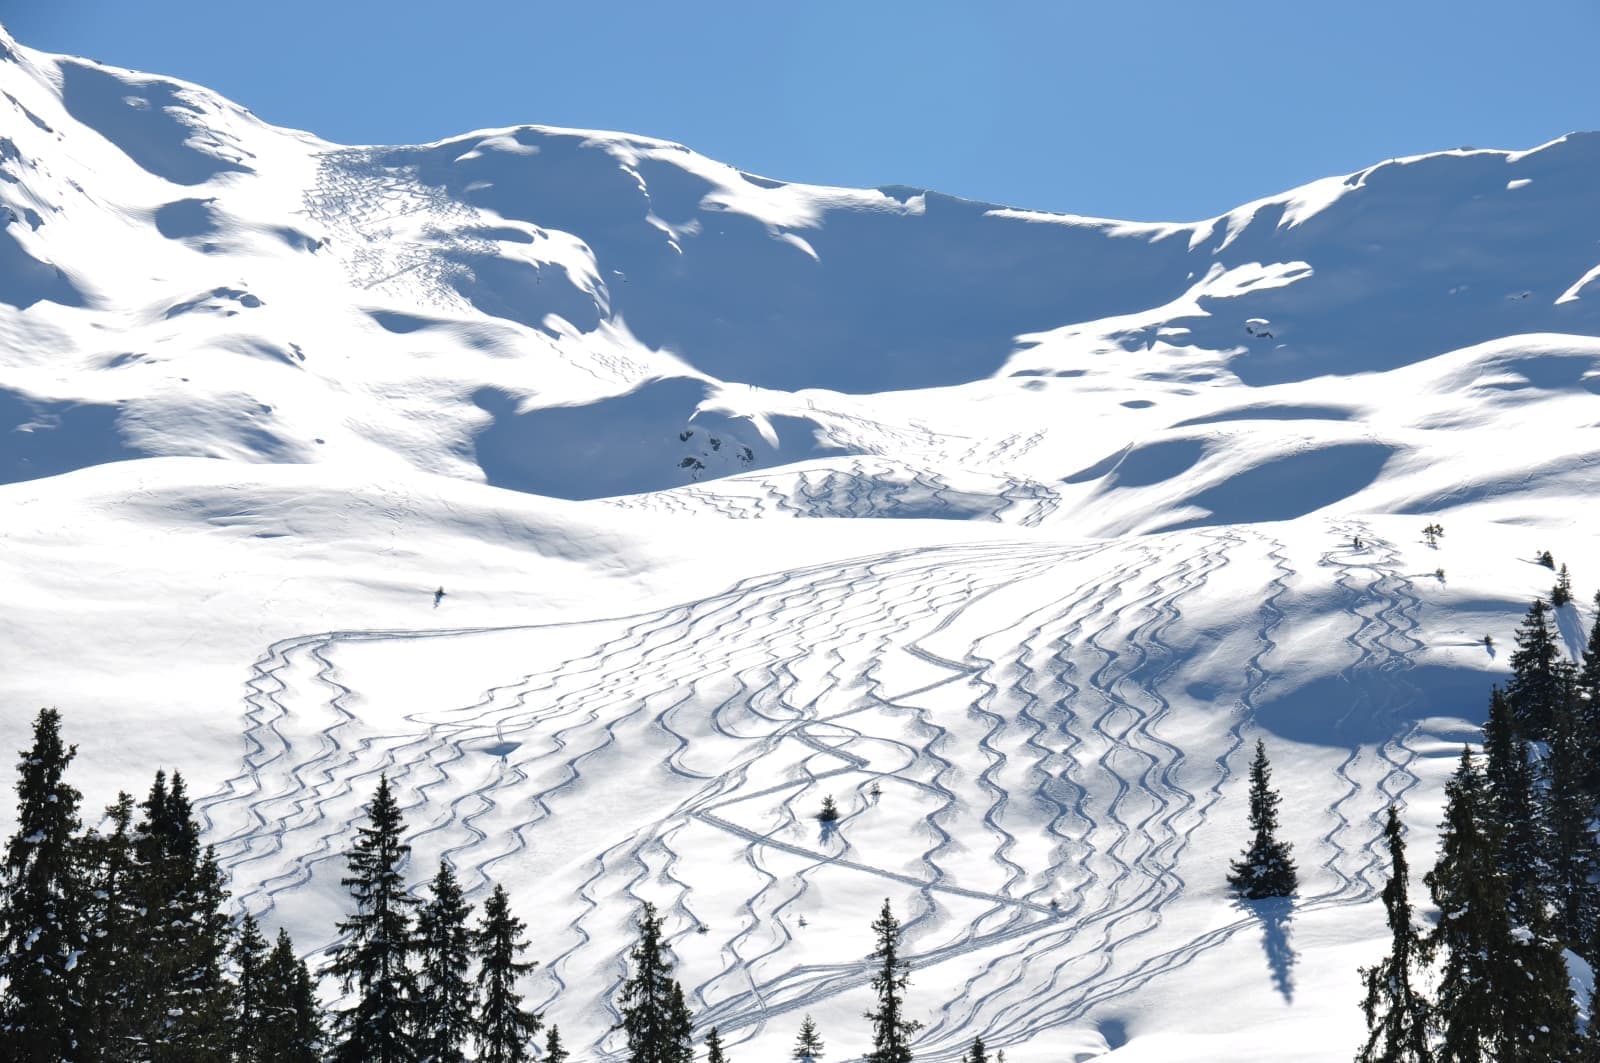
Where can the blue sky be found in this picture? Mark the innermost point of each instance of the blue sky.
(1142, 109)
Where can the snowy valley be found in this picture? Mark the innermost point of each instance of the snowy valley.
(1011, 532)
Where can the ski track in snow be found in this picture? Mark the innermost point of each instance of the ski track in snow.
(1065, 705)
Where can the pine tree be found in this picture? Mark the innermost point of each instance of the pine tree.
(808, 1046)
(1509, 811)
(373, 958)
(1397, 1012)
(977, 1053)
(652, 999)
(891, 1030)
(112, 958)
(505, 1030)
(249, 956)
(446, 999)
(714, 1053)
(1266, 869)
(830, 811)
(1534, 687)
(291, 1019)
(42, 903)
(554, 1050)
(1567, 813)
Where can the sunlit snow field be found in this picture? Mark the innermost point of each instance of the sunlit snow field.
(1010, 532)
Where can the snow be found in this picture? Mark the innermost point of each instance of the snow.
(1044, 520)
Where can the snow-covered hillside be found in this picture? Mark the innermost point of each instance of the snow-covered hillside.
(1010, 531)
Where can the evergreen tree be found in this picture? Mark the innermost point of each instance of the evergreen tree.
(1589, 672)
(1396, 1010)
(1266, 869)
(1534, 687)
(891, 1030)
(1587, 681)
(714, 1053)
(1473, 926)
(504, 1029)
(181, 995)
(1561, 593)
(249, 955)
(1567, 814)
(373, 958)
(652, 1000)
(554, 1050)
(1503, 993)
(830, 811)
(446, 1000)
(808, 1046)
(1509, 810)
(291, 1019)
(1589, 1043)
(112, 958)
(42, 902)
(977, 1053)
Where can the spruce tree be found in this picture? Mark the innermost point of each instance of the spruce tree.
(1503, 993)
(1398, 1014)
(112, 959)
(1567, 814)
(714, 1053)
(1510, 809)
(504, 1030)
(42, 903)
(292, 1019)
(1534, 687)
(446, 998)
(554, 1050)
(891, 1030)
(1589, 671)
(182, 1000)
(808, 1046)
(1588, 1048)
(680, 1025)
(977, 1053)
(652, 1000)
(179, 997)
(373, 959)
(1587, 680)
(1266, 869)
(1561, 593)
(249, 956)
(1470, 893)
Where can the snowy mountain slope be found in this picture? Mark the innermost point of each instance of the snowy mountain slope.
(545, 368)
(187, 280)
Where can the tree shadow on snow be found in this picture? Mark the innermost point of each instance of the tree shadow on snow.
(1275, 915)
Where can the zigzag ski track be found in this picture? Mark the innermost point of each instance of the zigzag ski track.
(1022, 760)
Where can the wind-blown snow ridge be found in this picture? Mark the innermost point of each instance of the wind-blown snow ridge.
(1010, 531)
